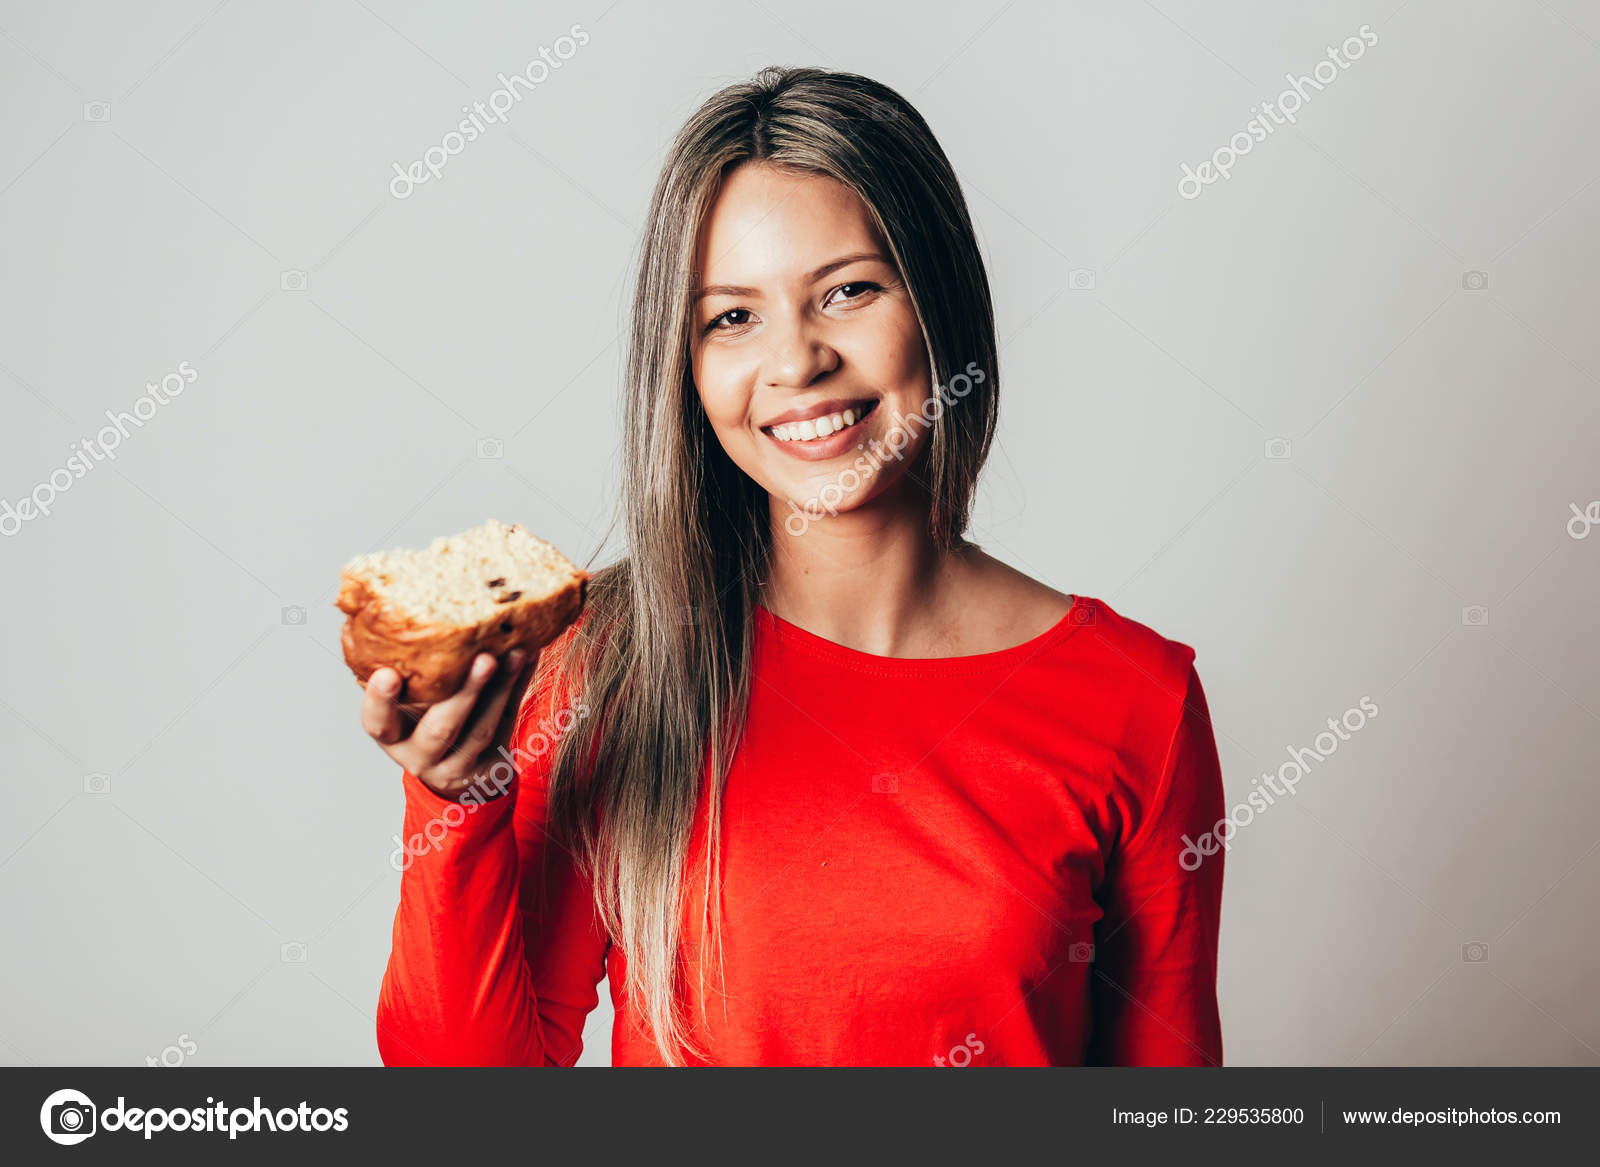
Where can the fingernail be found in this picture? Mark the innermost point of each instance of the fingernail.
(517, 658)
(384, 683)
(482, 667)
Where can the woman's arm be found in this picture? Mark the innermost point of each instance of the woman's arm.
(1155, 958)
(496, 954)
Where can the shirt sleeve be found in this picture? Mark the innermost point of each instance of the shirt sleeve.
(1155, 958)
(497, 951)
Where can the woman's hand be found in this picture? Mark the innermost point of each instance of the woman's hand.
(451, 743)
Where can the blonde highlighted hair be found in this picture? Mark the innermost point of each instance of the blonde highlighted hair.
(663, 660)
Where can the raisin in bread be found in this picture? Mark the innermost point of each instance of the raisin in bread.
(427, 614)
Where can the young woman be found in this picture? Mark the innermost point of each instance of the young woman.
(814, 780)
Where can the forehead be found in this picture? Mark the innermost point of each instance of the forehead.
(770, 223)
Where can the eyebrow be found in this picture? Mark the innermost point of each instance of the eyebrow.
(832, 265)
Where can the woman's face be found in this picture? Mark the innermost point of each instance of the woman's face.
(806, 346)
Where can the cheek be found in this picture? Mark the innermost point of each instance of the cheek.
(724, 389)
(899, 359)
(908, 380)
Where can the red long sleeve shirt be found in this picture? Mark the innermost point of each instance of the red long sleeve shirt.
(957, 861)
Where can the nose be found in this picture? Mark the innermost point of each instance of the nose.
(796, 355)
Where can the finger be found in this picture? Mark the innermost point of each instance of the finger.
(380, 717)
(441, 724)
(519, 693)
(487, 719)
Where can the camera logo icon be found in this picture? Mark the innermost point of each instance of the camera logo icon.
(1474, 616)
(1477, 952)
(489, 448)
(1277, 449)
(1474, 281)
(885, 784)
(1081, 279)
(1081, 952)
(68, 1117)
(294, 614)
(294, 952)
(293, 280)
(97, 111)
(97, 783)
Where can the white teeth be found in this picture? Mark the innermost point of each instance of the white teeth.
(817, 427)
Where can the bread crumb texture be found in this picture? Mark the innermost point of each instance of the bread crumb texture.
(466, 578)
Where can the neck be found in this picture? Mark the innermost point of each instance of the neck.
(870, 577)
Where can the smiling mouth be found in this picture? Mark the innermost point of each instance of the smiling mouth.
(818, 428)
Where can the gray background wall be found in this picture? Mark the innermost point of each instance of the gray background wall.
(195, 845)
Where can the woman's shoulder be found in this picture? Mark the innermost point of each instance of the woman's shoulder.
(1144, 681)
(1003, 606)
(1132, 651)
(1143, 647)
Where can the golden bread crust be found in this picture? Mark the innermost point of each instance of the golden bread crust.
(433, 659)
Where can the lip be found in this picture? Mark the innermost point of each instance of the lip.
(821, 449)
(820, 409)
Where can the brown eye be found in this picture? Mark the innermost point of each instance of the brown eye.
(865, 286)
(712, 327)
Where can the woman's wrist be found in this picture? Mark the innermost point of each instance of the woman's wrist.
(482, 788)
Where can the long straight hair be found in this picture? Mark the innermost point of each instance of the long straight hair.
(663, 658)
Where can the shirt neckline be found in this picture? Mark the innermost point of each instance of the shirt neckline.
(1080, 612)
